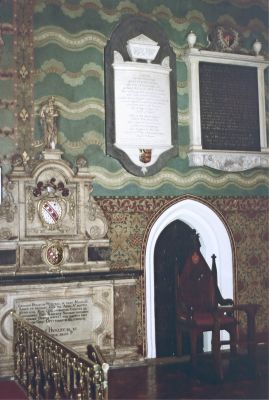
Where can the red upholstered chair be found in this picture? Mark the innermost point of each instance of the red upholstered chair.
(198, 308)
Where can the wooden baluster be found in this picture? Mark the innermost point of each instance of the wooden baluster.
(52, 368)
(30, 388)
(21, 362)
(97, 382)
(25, 369)
(36, 378)
(41, 365)
(60, 368)
(50, 363)
(49, 369)
(21, 359)
(80, 380)
(26, 340)
(56, 379)
(30, 362)
(45, 370)
(88, 378)
(74, 381)
(68, 377)
(85, 382)
(16, 359)
(15, 346)
(24, 366)
(46, 386)
(105, 368)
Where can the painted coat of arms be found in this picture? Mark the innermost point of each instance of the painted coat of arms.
(224, 39)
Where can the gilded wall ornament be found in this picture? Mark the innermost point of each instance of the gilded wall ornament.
(224, 39)
(48, 119)
(54, 253)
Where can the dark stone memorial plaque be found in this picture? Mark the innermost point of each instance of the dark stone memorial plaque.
(229, 106)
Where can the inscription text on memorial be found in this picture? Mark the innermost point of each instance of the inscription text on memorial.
(65, 319)
(229, 107)
(141, 95)
(227, 110)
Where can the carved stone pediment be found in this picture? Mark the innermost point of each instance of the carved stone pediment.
(51, 202)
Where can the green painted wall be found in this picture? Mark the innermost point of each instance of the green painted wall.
(56, 48)
(68, 39)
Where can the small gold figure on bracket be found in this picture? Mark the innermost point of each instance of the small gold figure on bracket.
(48, 117)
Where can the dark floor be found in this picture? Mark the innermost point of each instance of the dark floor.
(173, 379)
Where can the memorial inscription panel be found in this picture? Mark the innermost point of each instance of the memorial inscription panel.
(229, 107)
(65, 319)
(143, 100)
(140, 96)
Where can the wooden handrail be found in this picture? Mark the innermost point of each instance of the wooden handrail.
(49, 369)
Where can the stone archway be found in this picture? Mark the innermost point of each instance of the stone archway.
(215, 237)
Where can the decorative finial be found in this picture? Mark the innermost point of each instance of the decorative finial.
(191, 39)
(257, 46)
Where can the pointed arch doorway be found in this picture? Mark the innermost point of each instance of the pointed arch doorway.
(171, 250)
(215, 237)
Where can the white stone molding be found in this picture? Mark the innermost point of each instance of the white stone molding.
(228, 161)
(214, 238)
(218, 159)
(143, 48)
(142, 105)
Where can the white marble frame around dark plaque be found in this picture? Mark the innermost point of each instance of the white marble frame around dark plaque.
(142, 108)
(231, 161)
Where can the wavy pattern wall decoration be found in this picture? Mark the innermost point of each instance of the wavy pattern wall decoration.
(56, 48)
(69, 40)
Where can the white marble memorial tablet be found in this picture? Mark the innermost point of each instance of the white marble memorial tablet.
(140, 96)
(142, 108)
(65, 319)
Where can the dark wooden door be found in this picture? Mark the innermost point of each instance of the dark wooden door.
(171, 250)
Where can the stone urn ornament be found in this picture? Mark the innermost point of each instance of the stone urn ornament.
(257, 46)
(191, 39)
